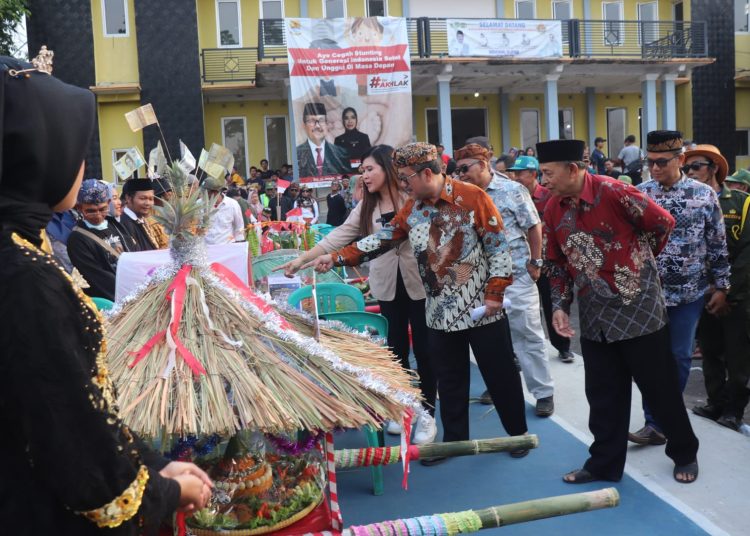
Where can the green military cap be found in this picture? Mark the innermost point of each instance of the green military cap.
(741, 175)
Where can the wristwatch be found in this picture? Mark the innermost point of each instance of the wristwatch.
(536, 263)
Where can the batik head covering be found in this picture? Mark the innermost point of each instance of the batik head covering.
(664, 141)
(472, 150)
(414, 154)
(45, 125)
(93, 192)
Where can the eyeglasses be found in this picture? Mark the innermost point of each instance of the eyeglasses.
(310, 121)
(660, 162)
(405, 178)
(461, 170)
(92, 211)
(695, 166)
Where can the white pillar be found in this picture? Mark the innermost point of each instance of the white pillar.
(292, 130)
(668, 102)
(445, 129)
(303, 10)
(500, 9)
(506, 142)
(404, 8)
(648, 119)
(550, 106)
(591, 115)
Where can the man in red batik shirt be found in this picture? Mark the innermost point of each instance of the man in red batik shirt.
(602, 236)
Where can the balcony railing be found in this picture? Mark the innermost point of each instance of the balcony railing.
(428, 38)
(229, 64)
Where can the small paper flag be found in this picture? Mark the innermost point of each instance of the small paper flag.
(141, 117)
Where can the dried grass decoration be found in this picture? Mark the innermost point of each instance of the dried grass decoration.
(195, 351)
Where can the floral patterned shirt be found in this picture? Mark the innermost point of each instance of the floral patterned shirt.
(461, 250)
(519, 214)
(605, 245)
(698, 243)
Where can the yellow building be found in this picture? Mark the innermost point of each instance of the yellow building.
(626, 69)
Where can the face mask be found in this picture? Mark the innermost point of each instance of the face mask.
(101, 227)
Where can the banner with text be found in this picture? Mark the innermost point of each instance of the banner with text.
(496, 37)
(350, 82)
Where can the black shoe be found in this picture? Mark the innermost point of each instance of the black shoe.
(566, 357)
(730, 421)
(485, 399)
(647, 436)
(519, 453)
(709, 411)
(545, 407)
(435, 460)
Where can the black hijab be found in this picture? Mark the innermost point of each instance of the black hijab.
(46, 126)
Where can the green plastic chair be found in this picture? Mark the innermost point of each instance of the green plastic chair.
(372, 323)
(332, 297)
(103, 304)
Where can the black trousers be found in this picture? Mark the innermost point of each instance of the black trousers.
(561, 344)
(610, 369)
(400, 312)
(494, 355)
(725, 344)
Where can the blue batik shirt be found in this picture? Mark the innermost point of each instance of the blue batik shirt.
(519, 214)
(696, 252)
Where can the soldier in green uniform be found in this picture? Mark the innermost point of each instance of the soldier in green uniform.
(724, 336)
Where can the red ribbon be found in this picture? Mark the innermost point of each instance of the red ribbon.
(231, 279)
(175, 293)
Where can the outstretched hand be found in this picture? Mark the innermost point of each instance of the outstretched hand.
(322, 264)
(561, 323)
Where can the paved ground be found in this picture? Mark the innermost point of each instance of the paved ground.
(719, 497)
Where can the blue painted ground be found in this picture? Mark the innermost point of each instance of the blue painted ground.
(493, 479)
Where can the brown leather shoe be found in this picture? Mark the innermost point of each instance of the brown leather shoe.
(647, 436)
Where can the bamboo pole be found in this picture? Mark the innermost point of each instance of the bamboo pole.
(365, 457)
(507, 514)
(574, 503)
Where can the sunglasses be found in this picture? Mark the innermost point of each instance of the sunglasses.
(660, 162)
(695, 166)
(461, 170)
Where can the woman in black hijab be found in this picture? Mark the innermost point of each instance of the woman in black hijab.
(70, 465)
(355, 142)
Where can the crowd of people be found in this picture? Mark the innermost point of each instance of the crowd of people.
(468, 251)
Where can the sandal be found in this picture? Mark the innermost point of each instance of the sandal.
(689, 469)
(580, 476)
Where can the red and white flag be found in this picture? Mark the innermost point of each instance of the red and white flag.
(282, 185)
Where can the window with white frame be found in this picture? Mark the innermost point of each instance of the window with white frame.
(276, 141)
(563, 11)
(234, 138)
(529, 128)
(565, 119)
(648, 29)
(228, 23)
(376, 8)
(116, 155)
(742, 145)
(271, 9)
(741, 15)
(115, 18)
(614, 29)
(334, 9)
(525, 9)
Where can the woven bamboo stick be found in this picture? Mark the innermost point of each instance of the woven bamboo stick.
(347, 458)
(497, 516)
